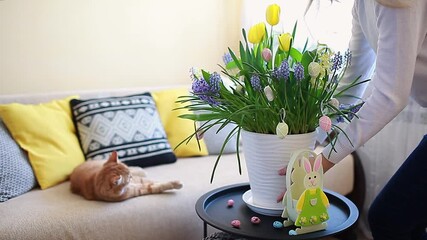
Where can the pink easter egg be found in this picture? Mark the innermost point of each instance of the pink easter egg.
(267, 55)
(230, 203)
(325, 123)
(235, 223)
(255, 220)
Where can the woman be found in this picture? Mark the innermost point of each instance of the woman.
(391, 36)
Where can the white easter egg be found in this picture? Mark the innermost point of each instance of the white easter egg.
(269, 93)
(282, 129)
(314, 69)
(334, 102)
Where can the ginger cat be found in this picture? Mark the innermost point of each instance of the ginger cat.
(113, 181)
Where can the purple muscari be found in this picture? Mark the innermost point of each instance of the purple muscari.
(256, 83)
(342, 107)
(299, 72)
(214, 82)
(336, 62)
(340, 119)
(353, 111)
(347, 57)
(282, 71)
(227, 58)
(209, 99)
(207, 91)
(200, 86)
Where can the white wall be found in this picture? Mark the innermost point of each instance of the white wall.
(51, 45)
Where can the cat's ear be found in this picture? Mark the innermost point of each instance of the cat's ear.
(113, 157)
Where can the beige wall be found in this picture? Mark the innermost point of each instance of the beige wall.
(62, 45)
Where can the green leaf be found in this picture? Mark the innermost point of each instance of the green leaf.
(295, 29)
(280, 55)
(206, 75)
(231, 65)
(235, 59)
(295, 54)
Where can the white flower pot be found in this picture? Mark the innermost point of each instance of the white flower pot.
(265, 155)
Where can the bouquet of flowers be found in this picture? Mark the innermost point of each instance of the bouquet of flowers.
(272, 86)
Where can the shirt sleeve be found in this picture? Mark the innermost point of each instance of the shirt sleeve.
(396, 52)
(361, 63)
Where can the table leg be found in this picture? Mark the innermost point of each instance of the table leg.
(205, 229)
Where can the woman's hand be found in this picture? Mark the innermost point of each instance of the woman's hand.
(326, 164)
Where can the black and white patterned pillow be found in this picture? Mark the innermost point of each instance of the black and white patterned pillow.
(130, 125)
(16, 175)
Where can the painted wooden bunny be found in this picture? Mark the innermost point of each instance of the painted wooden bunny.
(305, 202)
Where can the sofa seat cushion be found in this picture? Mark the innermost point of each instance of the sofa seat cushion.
(56, 213)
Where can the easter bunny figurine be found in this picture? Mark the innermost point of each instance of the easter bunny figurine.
(295, 186)
(305, 202)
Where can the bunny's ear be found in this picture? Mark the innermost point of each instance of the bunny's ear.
(307, 165)
(317, 163)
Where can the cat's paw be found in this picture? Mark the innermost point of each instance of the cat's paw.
(176, 184)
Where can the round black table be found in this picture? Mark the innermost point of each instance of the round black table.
(213, 210)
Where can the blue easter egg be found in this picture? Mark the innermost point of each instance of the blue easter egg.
(277, 224)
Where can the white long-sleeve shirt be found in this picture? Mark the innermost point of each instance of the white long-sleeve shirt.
(394, 41)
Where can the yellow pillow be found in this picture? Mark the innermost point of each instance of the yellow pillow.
(177, 129)
(47, 133)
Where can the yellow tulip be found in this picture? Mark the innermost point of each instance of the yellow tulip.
(256, 33)
(285, 41)
(273, 14)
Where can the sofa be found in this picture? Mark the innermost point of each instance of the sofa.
(54, 212)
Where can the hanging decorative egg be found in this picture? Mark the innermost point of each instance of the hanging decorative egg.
(282, 130)
(325, 123)
(269, 93)
(334, 102)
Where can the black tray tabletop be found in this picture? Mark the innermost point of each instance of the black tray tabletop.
(212, 209)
